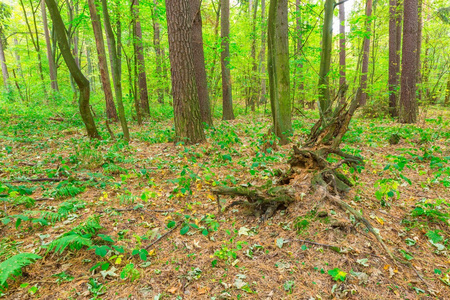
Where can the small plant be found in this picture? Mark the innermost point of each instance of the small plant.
(95, 288)
(385, 190)
(130, 272)
(337, 274)
(289, 286)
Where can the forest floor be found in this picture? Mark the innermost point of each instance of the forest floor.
(140, 221)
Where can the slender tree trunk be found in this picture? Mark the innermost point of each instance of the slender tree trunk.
(278, 67)
(188, 126)
(447, 93)
(199, 62)
(115, 67)
(325, 59)
(342, 53)
(78, 76)
(50, 58)
(299, 67)
(157, 46)
(262, 54)
(111, 112)
(395, 27)
(408, 101)
(89, 67)
(140, 60)
(3, 63)
(227, 98)
(419, 50)
(253, 97)
(366, 51)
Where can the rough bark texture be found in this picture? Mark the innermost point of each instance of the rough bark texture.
(278, 68)
(188, 126)
(140, 60)
(227, 98)
(157, 46)
(325, 59)
(50, 58)
(299, 67)
(395, 27)
(199, 62)
(253, 88)
(111, 112)
(408, 101)
(82, 82)
(342, 52)
(419, 50)
(366, 51)
(115, 67)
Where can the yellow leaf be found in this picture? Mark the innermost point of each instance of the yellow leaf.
(210, 196)
(118, 260)
(172, 290)
(379, 220)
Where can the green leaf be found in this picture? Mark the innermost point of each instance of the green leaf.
(184, 230)
(13, 266)
(280, 242)
(434, 236)
(101, 250)
(143, 254)
(226, 157)
(337, 274)
(205, 232)
(118, 249)
(171, 224)
(106, 238)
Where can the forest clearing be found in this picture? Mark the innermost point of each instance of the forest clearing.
(224, 149)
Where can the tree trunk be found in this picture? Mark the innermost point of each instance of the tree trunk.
(199, 62)
(408, 101)
(342, 52)
(278, 67)
(50, 58)
(111, 112)
(115, 67)
(253, 89)
(140, 60)
(262, 55)
(3, 63)
(447, 92)
(157, 46)
(299, 67)
(227, 98)
(78, 76)
(366, 51)
(395, 25)
(419, 51)
(188, 126)
(325, 59)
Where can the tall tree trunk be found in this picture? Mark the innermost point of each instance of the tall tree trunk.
(299, 66)
(3, 63)
(262, 54)
(140, 60)
(199, 62)
(395, 27)
(115, 67)
(157, 46)
(50, 58)
(419, 50)
(89, 69)
(278, 67)
(408, 101)
(227, 98)
(188, 126)
(325, 59)
(366, 51)
(111, 112)
(253, 95)
(342, 53)
(78, 76)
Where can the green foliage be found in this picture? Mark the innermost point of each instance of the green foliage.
(130, 272)
(434, 210)
(12, 267)
(337, 274)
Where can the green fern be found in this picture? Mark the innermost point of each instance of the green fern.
(112, 169)
(65, 191)
(90, 226)
(73, 241)
(12, 267)
(70, 206)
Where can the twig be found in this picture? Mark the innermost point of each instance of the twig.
(163, 236)
(334, 248)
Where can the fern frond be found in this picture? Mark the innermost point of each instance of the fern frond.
(73, 241)
(67, 191)
(90, 226)
(13, 267)
(70, 206)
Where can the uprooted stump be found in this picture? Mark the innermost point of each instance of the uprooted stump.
(263, 202)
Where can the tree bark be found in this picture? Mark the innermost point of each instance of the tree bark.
(139, 59)
(342, 53)
(157, 46)
(325, 59)
(366, 51)
(227, 98)
(188, 126)
(111, 112)
(299, 65)
(395, 27)
(253, 95)
(3, 62)
(199, 62)
(419, 50)
(50, 58)
(115, 67)
(408, 101)
(82, 82)
(278, 67)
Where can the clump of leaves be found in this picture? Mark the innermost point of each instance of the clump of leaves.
(65, 190)
(12, 267)
(130, 272)
(337, 274)
(436, 211)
